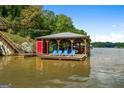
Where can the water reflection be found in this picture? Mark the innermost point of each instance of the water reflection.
(4, 61)
(34, 72)
(63, 68)
(60, 73)
(39, 65)
(105, 68)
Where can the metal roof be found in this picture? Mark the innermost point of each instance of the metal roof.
(62, 36)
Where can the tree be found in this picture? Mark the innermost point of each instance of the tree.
(31, 17)
(12, 14)
(49, 19)
(63, 23)
(34, 21)
(3, 11)
(12, 11)
(80, 31)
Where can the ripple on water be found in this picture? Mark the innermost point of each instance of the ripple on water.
(77, 78)
(56, 81)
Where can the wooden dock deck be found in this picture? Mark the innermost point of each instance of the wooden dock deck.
(27, 54)
(77, 57)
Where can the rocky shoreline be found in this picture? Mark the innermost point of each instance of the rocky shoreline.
(24, 47)
(4, 50)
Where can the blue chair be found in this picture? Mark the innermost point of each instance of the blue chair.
(54, 52)
(69, 51)
(73, 52)
(76, 51)
(65, 53)
(59, 52)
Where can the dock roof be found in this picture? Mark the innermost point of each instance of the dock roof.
(63, 35)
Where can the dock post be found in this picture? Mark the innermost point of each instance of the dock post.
(47, 46)
(58, 42)
(72, 44)
(85, 47)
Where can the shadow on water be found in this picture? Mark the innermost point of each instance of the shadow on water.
(34, 72)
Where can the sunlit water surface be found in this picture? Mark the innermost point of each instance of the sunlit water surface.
(104, 68)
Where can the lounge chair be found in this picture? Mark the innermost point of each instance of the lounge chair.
(76, 51)
(59, 52)
(73, 52)
(54, 52)
(65, 53)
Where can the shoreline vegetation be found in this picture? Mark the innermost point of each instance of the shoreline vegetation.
(33, 21)
(25, 23)
(107, 45)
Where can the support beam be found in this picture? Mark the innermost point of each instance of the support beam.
(79, 44)
(47, 42)
(85, 46)
(72, 44)
(58, 43)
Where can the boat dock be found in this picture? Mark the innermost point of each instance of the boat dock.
(76, 57)
(27, 54)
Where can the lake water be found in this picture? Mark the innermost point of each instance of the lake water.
(104, 68)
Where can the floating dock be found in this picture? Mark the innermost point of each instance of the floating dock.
(77, 57)
(27, 54)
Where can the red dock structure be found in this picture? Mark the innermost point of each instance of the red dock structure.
(66, 40)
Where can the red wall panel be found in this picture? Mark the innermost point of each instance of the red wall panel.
(39, 47)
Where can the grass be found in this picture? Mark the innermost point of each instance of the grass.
(18, 39)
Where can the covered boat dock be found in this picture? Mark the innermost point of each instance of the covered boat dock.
(45, 46)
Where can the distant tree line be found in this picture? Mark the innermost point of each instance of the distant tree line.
(107, 45)
(34, 21)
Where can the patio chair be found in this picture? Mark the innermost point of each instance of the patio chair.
(76, 51)
(65, 53)
(54, 52)
(73, 52)
(59, 52)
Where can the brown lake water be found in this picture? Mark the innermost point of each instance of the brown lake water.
(104, 68)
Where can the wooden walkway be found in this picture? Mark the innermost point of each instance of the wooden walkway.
(77, 57)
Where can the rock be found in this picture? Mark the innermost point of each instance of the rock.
(26, 47)
(4, 50)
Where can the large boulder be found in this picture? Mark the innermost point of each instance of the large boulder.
(26, 47)
(4, 50)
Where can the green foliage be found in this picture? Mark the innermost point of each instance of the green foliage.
(80, 31)
(19, 40)
(11, 12)
(30, 17)
(49, 19)
(15, 38)
(34, 21)
(32, 33)
(4, 11)
(107, 45)
(120, 45)
(63, 23)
